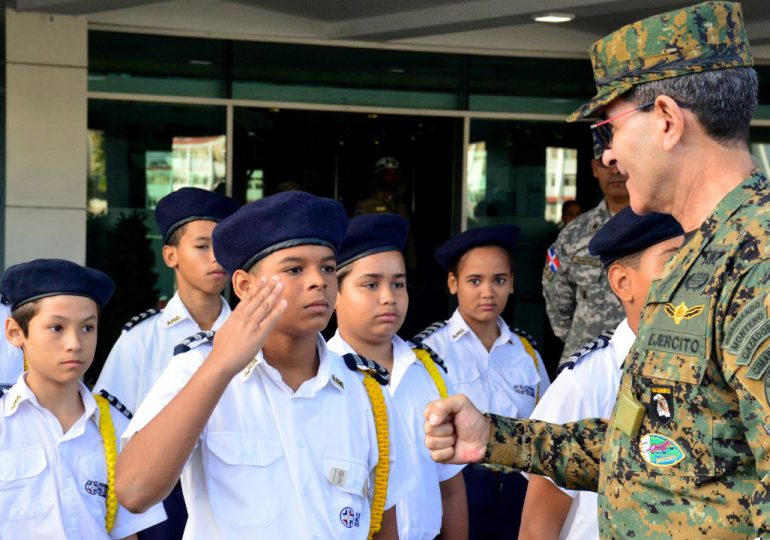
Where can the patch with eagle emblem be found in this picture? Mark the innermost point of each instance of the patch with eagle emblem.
(661, 406)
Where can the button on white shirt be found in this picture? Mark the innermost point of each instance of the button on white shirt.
(411, 389)
(141, 353)
(50, 482)
(11, 358)
(588, 390)
(277, 464)
(503, 380)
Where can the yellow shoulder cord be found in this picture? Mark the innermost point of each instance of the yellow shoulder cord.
(531, 351)
(107, 429)
(432, 368)
(381, 471)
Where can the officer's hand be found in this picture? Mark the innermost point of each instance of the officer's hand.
(455, 430)
(243, 335)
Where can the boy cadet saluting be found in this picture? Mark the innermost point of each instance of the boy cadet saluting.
(186, 219)
(371, 305)
(58, 443)
(633, 250)
(274, 435)
(496, 367)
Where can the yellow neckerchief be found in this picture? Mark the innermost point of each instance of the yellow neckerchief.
(531, 351)
(107, 430)
(432, 368)
(381, 471)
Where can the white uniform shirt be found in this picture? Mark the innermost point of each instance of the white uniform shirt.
(588, 390)
(411, 388)
(277, 464)
(11, 358)
(502, 381)
(52, 484)
(141, 353)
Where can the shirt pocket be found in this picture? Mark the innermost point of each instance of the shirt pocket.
(247, 478)
(349, 489)
(92, 483)
(24, 492)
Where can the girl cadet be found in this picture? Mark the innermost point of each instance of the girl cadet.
(496, 367)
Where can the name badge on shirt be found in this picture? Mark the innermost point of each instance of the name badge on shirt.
(337, 476)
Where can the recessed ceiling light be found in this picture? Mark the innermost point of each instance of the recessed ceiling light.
(554, 17)
(200, 62)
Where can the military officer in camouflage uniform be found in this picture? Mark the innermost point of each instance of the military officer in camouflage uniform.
(686, 452)
(578, 298)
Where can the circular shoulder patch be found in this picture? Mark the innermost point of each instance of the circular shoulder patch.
(659, 450)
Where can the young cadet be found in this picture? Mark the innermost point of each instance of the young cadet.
(634, 250)
(497, 368)
(58, 443)
(372, 302)
(186, 218)
(275, 436)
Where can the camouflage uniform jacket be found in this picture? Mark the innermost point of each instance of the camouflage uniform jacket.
(578, 298)
(699, 464)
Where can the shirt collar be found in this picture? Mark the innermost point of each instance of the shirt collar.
(176, 312)
(622, 340)
(459, 328)
(20, 392)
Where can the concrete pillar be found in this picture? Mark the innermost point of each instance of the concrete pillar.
(45, 131)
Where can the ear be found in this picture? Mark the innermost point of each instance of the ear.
(451, 282)
(670, 121)
(621, 282)
(241, 283)
(169, 256)
(13, 333)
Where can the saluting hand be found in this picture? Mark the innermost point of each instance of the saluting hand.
(243, 335)
(455, 431)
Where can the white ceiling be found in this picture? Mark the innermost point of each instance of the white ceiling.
(496, 25)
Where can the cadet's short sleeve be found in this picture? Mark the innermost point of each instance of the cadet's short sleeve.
(400, 479)
(181, 368)
(128, 523)
(121, 371)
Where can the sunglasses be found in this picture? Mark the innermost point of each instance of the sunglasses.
(602, 131)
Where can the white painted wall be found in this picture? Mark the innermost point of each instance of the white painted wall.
(46, 119)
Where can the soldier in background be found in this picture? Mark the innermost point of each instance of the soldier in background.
(686, 453)
(578, 299)
(387, 196)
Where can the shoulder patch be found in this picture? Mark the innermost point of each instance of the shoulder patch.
(601, 341)
(525, 335)
(136, 319)
(195, 340)
(356, 362)
(428, 331)
(433, 354)
(115, 402)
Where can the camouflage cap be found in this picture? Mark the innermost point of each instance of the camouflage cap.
(704, 37)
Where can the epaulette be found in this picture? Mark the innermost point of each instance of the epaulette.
(136, 319)
(195, 340)
(599, 342)
(4, 388)
(433, 354)
(356, 362)
(428, 331)
(525, 335)
(115, 402)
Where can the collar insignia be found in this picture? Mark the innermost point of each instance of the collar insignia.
(171, 321)
(682, 312)
(459, 333)
(338, 382)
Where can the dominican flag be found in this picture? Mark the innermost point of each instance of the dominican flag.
(552, 260)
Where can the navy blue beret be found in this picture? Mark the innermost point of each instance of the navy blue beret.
(191, 204)
(280, 221)
(40, 278)
(504, 236)
(626, 233)
(372, 233)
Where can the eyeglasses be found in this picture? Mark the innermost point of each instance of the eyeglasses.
(602, 131)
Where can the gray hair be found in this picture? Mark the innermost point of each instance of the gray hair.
(724, 101)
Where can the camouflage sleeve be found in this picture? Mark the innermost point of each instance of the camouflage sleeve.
(559, 289)
(569, 454)
(745, 348)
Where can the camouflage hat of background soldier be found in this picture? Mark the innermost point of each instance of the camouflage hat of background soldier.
(704, 37)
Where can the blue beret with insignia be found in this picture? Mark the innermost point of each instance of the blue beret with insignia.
(372, 233)
(626, 233)
(191, 204)
(25, 282)
(283, 220)
(504, 236)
